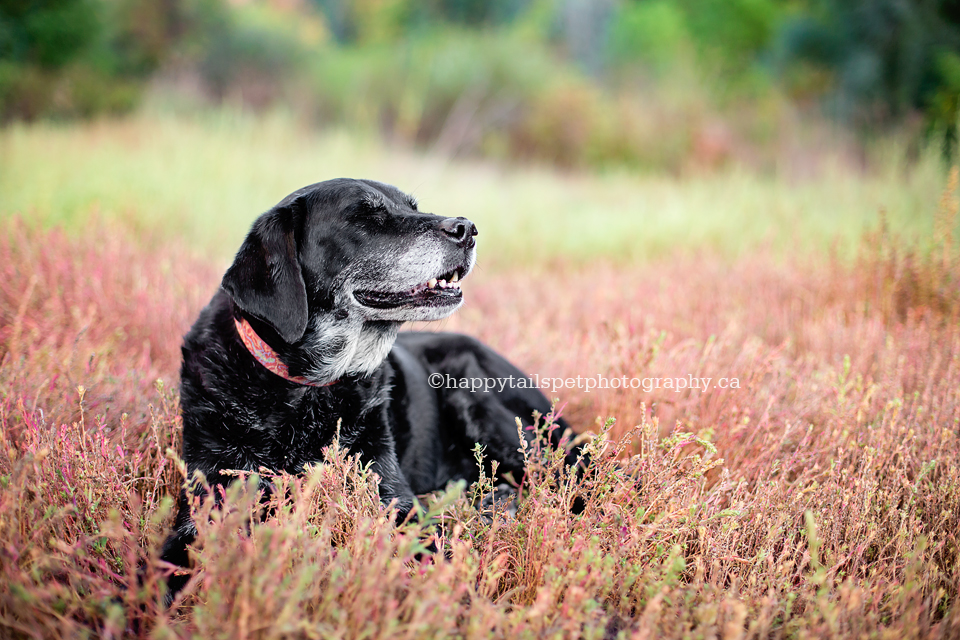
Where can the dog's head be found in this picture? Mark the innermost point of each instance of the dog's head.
(339, 259)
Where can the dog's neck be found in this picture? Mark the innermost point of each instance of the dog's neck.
(333, 348)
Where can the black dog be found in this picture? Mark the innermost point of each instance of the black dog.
(304, 332)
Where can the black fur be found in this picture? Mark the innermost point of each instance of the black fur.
(325, 279)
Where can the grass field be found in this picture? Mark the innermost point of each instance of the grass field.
(203, 181)
(820, 498)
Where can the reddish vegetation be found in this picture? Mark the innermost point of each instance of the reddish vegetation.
(821, 498)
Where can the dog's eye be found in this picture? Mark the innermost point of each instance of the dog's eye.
(370, 217)
(378, 218)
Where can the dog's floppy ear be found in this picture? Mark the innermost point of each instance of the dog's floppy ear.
(265, 279)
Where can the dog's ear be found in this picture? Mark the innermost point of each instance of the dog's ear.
(265, 279)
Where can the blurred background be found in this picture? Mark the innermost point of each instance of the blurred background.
(567, 129)
(656, 85)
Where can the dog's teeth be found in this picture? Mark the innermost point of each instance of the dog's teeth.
(456, 276)
(443, 284)
(432, 282)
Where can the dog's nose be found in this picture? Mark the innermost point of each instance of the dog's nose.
(460, 230)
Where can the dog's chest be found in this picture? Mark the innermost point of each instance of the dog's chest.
(294, 430)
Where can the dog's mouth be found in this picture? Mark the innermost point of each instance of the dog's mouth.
(434, 292)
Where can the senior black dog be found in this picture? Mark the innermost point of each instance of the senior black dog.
(303, 333)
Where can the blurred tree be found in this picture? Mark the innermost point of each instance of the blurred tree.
(730, 36)
(733, 34)
(250, 52)
(40, 42)
(79, 57)
(653, 32)
(142, 32)
(47, 33)
(585, 27)
(69, 57)
(477, 13)
(378, 21)
(886, 59)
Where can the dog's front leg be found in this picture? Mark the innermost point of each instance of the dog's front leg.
(394, 488)
(376, 445)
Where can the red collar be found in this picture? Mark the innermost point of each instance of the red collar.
(266, 356)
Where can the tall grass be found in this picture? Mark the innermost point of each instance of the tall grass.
(201, 181)
(821, 498)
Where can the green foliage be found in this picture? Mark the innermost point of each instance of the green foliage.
(730, 37)
(652, 32)
(379, 21)
(886, 59)
(664, 85)
(733, 34)
(48, 33)
(75, 57)
(458, 89)
(250, 46)
(83, 57)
